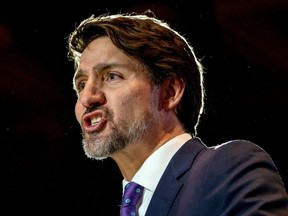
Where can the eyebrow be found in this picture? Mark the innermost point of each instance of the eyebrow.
(97, 68)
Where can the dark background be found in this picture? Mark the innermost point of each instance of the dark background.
(242, 44)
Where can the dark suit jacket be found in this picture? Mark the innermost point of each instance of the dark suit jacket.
(237, 178)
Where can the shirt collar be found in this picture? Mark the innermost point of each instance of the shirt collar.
(154, 166)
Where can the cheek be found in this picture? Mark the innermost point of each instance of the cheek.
(132, 102)
(78, 111)
(142, 100)
(129, 103)
(147, 97)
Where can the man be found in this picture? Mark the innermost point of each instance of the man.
(140, 97)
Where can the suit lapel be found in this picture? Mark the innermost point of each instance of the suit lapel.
(169, 184)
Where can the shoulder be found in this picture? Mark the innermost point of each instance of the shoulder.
(238, 145)
(236, 159)
(236, 150)
(227, 153)
(229, 173)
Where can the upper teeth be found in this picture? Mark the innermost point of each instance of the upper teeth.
(95, 120)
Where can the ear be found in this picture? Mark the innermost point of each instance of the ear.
(172, 90)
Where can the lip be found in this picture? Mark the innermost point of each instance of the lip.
(86, 121)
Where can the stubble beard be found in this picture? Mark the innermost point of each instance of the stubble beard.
(99, 147)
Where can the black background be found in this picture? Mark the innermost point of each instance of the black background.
(242, 44)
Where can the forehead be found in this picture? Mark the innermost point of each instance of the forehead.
(102, 53)
(101, 48)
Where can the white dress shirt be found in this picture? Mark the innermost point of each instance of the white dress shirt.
(152, 169)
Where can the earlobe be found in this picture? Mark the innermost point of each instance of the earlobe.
(172, 92)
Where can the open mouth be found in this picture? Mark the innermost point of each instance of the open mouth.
(95, 120)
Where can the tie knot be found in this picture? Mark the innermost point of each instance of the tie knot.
(132, 193)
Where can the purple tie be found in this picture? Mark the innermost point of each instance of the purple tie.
(131, 195)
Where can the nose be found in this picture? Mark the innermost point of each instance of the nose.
(91, 95)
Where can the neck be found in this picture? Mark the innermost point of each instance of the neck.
(130, 159)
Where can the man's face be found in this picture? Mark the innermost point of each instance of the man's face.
(117, 105)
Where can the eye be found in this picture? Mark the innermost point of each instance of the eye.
(80, 86)
(112, 76)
